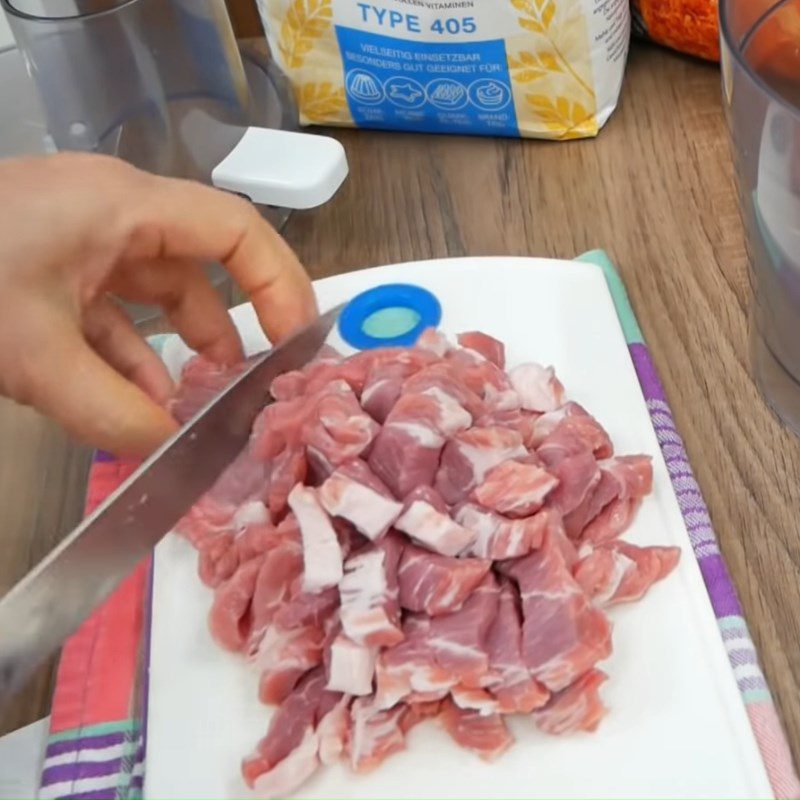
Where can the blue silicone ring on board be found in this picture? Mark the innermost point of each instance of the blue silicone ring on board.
(393, 315)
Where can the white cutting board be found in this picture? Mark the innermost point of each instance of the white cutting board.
(677, 726)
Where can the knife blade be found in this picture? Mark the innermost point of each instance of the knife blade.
(52, 600)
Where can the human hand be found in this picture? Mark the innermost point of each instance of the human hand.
(74, 228)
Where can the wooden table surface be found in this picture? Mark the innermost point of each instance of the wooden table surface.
(655, 190)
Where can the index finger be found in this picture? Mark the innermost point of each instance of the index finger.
(181, 219)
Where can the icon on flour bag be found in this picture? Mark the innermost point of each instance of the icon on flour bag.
(549, 69)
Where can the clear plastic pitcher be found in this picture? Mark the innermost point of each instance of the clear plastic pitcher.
(761, 84)
(162, 84)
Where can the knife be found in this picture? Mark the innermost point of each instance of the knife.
(52, 600)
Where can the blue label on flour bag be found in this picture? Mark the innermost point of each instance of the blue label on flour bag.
(403, 84)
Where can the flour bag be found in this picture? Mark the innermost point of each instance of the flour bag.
(549, 69)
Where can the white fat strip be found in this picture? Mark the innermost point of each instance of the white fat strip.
(352, 667)
(422, 434)
(371, 512)
(434, 529)
(322, 555)
(287, 776)
(252, 513)
(453, 417)
(532, 382)
(363, 591)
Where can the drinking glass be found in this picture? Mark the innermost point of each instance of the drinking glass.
(761, 87)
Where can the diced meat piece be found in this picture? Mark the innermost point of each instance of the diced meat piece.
(624, 478)
(434, 341)
(605, 491)
(429, 495)
(229, 617)
(370, 610)
(405, 455)
(306, 608)
(290, 752)
(333, 730)
(517, 419)
(515, 488)
(576, 708)
(634, 474)
(573, 420)
(436, 584)
(384, 383)
(279, 569)
(284, 656)
(468, 457)
(443, 376)
(355, 494)
(279, 426)
(440, 652)
(437, 530)
(563, 635)
(351, 667)
(474, 699)
(201, 381)
(498, 538)
(537, 387)
(490, 348)
(620, 572)
(218, 510)
(288, 386)
(486, 735)
(375, 734)
(612, 521)
(287, 775)
(320, 373)
(578, 475)
(418, 712)
(219, 555)
(287, 469)
(338, 428)
(322, 554)
(295, 383)
(485, 379)
(515, 690)
(434, 408)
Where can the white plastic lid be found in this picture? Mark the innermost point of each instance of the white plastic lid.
(283, 168)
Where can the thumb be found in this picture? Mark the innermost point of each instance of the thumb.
(68, 381)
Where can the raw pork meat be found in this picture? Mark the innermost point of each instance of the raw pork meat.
(491, 349)
(576, 708)
(354, 493)
(484, 734)
(468, 457)
(322, 554)
(515, 488)
(436, 584)
(563, 634)
(370, 609)
(414, 534)
(619, 572)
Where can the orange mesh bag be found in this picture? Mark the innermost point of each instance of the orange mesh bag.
(690, 26)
